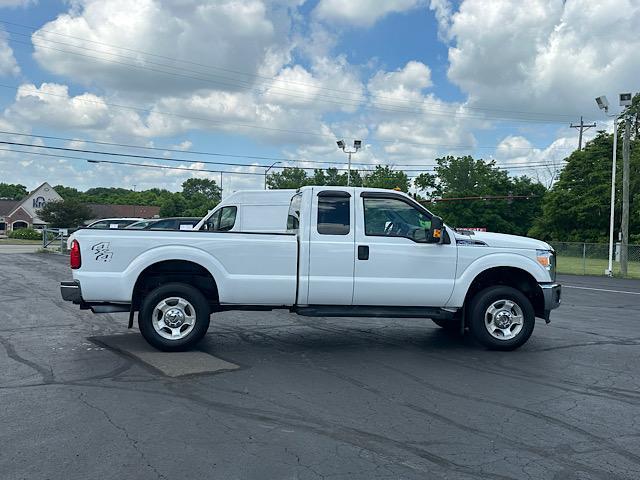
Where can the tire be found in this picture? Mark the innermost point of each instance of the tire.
(498, 309)
(452, 325)
(174, 317)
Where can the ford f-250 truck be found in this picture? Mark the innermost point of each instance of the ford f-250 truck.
(334, 251)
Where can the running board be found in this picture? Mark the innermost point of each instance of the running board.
(373, 311)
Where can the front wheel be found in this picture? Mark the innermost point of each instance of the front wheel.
(501, 318)
(174, 317)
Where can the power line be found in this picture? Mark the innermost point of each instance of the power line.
(395, 100)
(217, 154)
(582, 128)
(242, 125)
(151, 157)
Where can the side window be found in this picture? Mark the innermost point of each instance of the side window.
(390, 217)
(293, 217)
(227, 219)
(212, 222)
(100, 225)
(168, 224)
(221, 221)
(334, 217)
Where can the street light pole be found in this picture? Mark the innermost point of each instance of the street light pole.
(357, 144)
(267, 171)
(609, 271)
(603, 104)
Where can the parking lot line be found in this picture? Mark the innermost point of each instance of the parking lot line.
(601, 289)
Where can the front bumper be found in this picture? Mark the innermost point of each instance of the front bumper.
(71, 292)
(551, 293)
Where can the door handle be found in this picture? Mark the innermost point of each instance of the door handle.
(363, 252)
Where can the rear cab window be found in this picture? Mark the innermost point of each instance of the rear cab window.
(293, 217)
(334, 213)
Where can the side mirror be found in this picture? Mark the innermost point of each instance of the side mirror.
(435, 234)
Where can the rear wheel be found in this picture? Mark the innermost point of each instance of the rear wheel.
(174, 317)
(501, 318)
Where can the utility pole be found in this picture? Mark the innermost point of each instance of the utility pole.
(583, 128)
(624, 247)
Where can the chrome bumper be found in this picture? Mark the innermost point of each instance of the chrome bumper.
(551, 293)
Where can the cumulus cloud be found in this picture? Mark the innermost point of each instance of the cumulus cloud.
(414, 125)
(543, 55)
(361, 13)
(202, 44)
(8, 64)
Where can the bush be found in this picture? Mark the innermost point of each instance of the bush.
(26, 234)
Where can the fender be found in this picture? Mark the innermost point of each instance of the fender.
(174, 252)
(492, 260)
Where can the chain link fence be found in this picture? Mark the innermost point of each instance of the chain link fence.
(593, 258)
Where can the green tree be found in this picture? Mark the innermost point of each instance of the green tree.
(65, 213)
(386, 177)
(174, 206)
(289, 177)
(200, 196)
(577, 207)
(459, 177)
(201, 186)
(10, 191)
(70, 193)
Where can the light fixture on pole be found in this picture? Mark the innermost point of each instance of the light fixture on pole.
(267, 171)
(357, 145)
(603, 104)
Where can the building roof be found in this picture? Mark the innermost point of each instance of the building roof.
(101, 210)
(7, 206)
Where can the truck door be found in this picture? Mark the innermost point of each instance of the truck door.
(395, 266)
(331, 247)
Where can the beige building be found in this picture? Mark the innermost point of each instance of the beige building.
(16, 214)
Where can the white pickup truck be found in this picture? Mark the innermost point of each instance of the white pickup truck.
(319, 251)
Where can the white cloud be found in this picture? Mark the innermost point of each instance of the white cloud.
(226, 35)
(362, 13)
(544, 55)
(415, 126)
(401, 86)
(8, 64)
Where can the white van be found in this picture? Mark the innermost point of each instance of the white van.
(263, 211)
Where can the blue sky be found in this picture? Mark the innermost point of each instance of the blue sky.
(414, 79)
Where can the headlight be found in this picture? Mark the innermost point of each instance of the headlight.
(547, 258)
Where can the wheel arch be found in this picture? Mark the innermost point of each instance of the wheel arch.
(514, 277)
(171, 271)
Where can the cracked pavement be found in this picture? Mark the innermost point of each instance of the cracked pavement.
(318, 398)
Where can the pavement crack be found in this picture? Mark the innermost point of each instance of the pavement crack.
(132, 441)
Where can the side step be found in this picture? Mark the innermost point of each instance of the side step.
(373, 311)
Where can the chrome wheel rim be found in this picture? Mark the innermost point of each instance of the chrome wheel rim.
(174, 318)
(504, 319)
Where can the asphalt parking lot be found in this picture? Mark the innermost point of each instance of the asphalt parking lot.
(318, 398)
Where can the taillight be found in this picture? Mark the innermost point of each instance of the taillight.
(74, 255)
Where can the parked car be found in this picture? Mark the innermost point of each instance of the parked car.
(142, 224)
(113, 223)
(345, 252)
(174, 223)
(110, 223)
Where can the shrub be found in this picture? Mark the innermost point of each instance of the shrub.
(26, 234)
